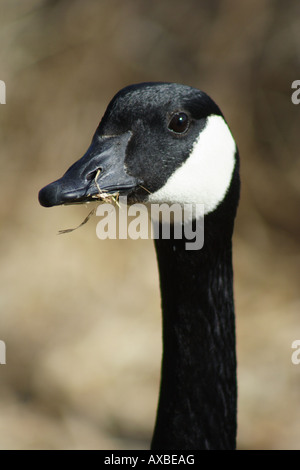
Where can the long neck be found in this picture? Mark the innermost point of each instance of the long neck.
(197, 403)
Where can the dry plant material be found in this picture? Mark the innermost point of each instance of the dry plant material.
(105, 197)
(68, 230)
(100, 196)
(143, 187)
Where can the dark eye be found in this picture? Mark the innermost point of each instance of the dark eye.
(179, 123)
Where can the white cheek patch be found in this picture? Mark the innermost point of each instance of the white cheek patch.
(206, 174)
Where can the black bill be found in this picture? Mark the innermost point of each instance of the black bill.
(102, 166)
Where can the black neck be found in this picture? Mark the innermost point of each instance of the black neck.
(197, 404)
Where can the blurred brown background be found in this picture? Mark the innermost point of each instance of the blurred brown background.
(81, 317)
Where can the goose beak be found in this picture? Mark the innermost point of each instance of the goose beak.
(102, 166)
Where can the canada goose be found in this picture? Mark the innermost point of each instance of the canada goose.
(165, 142)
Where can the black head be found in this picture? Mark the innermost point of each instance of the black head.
(150, 135)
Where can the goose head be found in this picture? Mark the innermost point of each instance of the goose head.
(156, 143)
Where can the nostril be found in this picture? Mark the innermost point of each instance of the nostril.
(92, 174)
